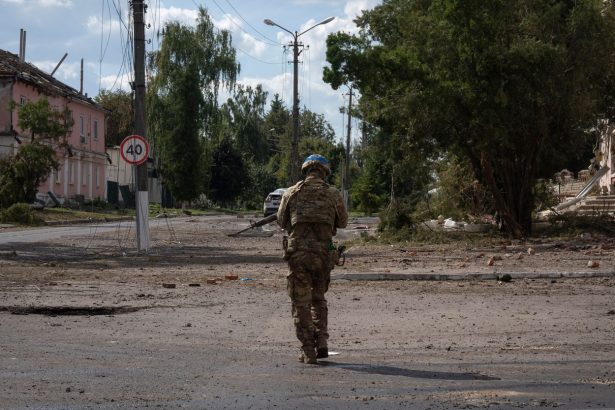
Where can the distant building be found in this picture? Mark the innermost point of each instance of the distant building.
(121, 181)
(81, 175)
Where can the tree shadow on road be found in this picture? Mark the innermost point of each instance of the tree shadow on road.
(399, 371)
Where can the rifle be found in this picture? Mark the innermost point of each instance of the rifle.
(260, 222)
(339, 254)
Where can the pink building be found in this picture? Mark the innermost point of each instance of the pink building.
(82, 167)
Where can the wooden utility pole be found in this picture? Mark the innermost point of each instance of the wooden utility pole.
(294, 152)
(142, 199)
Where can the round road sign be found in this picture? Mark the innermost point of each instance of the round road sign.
(134, 149)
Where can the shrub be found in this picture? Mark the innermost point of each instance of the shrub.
(458, 195)
(396, 216)
(19, 213)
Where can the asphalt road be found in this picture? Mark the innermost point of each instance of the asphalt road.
(99, 331)
(233, 347)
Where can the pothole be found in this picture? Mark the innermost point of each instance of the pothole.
(70, 310)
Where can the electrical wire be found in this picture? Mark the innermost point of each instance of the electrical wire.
(309, 76)
(126, 66)
(238, 25)
(302, 83)
(284, 73)
(256, 58)
(273, 42)
(102, 30)
(232, 20)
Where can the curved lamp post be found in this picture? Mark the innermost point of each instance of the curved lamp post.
(294, 160)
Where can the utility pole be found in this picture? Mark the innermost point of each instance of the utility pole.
(142, 199)
(294, 153)
(347, 162)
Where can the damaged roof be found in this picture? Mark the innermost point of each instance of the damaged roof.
(11, 66)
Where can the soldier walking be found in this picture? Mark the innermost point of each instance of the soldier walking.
(310, 212)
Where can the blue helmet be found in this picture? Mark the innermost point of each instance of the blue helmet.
(315, 159)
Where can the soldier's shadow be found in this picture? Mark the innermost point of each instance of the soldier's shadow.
(399, 371)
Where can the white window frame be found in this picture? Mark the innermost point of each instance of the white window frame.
(95, 130)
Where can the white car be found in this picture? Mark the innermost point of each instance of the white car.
(272, 202)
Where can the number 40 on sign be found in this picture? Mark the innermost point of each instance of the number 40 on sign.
(134, 149)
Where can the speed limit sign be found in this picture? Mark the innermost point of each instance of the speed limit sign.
(134, 149)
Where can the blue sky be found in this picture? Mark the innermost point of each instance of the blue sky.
(92, 30)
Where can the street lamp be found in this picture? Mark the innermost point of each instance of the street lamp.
(294, 160)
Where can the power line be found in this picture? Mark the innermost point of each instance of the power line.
(241, 28)
(258, 59)
(252, 27)
(125, 68)
(237, 25)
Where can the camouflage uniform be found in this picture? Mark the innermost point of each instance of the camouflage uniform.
(310, 212)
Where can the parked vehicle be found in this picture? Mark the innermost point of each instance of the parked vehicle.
(272, 202)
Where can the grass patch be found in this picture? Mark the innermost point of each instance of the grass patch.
(65, 214)
(102, 214)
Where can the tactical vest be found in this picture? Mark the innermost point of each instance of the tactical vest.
(314, 203)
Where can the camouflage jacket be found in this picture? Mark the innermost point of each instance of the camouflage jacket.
(310, 212)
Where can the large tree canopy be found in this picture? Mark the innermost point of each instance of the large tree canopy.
(189, 69)
(504, 82)
(243, 115)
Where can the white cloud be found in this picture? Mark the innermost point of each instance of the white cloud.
(65, 73)
(115, 82)
(278, 84)
(315, 2)
(250, 44)
(41, 3)
(184, 16)
(228, 22)
(354, 8)
(56, 3)
(93, 24)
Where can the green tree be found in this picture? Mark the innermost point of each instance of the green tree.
(229, 174)
(22, 173)
(120, 119)
(260, 182)
(317, 136)
(44, 123)
(187, 72)
(277, 128)
(503, 83)
(244, 115)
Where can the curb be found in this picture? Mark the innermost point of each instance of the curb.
(467, 276)
(88, 221)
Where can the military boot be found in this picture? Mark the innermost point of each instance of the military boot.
(322, 352)
(308, 355)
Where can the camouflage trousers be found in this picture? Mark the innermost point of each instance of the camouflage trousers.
(308, 282)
